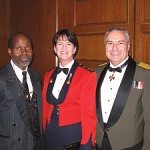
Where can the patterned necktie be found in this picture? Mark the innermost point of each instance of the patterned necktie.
(24, 73)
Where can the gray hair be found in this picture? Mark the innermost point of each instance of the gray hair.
(117, 29)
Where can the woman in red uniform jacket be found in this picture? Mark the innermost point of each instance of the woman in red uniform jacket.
(69, 116)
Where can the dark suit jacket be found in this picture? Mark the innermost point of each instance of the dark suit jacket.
(129, 121)
(15, 129)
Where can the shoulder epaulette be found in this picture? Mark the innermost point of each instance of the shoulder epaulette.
(144, 65)
(102, 64)
(88, 68)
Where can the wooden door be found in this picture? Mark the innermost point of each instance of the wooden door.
(142, 31)
(90, 19)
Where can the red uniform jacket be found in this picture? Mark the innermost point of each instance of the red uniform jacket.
(79, 103)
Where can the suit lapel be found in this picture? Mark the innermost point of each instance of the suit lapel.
(49, 95)
(36, 83)
(122, 94)
(67, 83)
(15, 84)
(98, 96)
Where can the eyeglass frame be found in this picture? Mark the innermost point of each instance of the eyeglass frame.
(119, 44)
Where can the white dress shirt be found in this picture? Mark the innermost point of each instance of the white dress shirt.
(19, 75)
(60, 79)
(109, 91)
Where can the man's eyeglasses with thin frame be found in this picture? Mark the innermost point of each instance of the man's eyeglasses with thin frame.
(119, 44)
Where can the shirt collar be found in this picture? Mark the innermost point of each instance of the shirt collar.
(111, 65)
(17, 70)
(68, 65)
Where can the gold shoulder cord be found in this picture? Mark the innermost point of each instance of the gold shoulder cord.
(144, 65)
(102, 64)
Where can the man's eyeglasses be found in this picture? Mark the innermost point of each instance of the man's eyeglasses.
(119, 44)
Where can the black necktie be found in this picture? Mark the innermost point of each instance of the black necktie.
(65, 70)
(118, 69)
(24, 73)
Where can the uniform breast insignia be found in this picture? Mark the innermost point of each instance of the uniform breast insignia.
(69, 79)
(88, 68)
(144, 65)
(112, 77)
(138, 84)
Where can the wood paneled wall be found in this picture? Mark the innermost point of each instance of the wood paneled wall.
(35, 18)
(142, 31)
(89, 19)
(4, 30)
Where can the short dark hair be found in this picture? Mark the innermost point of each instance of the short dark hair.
(13, 35)
(71, 36)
